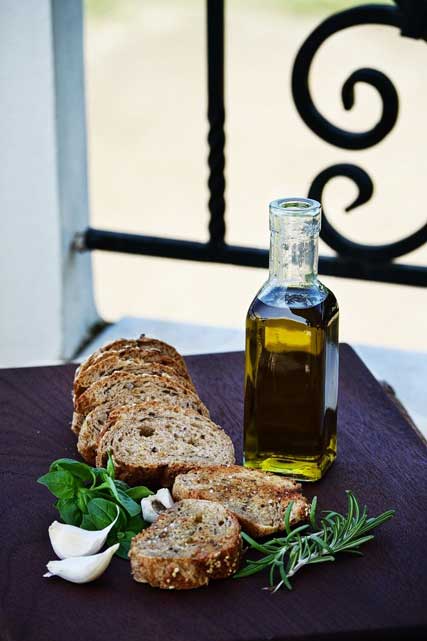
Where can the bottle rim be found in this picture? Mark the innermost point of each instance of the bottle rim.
(304, 207)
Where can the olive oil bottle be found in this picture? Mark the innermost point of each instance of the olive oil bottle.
(291, 370)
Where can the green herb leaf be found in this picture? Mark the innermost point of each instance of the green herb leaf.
(110, 466)
(83, 498)
(91, 498)
(87, 523)
(62, 484)
(77, 469)
(69, 511)
(102, 512)
(138, 493)
(286, 556)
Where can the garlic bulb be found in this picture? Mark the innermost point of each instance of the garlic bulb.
(70, 541)
(153, 505)
(82, 569)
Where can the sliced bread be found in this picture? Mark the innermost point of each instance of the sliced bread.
(143, 342)
(153, 442)
(97, 422)
(142, 387)
(258, 499)
(91, 428)
(77, 422)
(189, 544)
(135, 360)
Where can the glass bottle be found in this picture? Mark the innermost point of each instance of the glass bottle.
(291, 369)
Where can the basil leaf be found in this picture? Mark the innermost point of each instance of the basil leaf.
(69, 511)
(62, 484)
(87, 523)
(124, 540)
(131, 507)
(77, 469)
(110, 466)
(101, 512)
(83, 498)
(139, 492)
(121, 485)
(136, 524)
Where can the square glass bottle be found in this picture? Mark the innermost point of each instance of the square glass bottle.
(291, 368)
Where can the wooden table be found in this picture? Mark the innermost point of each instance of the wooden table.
(382, 595)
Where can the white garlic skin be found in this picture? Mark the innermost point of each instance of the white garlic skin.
(150, 504)
(71, 541)
(82, 569)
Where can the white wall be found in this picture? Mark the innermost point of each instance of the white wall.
(45, 289)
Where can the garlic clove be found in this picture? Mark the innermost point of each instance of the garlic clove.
(155, 504)
(164, 497)
(70, 541)
(82, 569)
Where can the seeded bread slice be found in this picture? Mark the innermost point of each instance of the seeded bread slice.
(153, 442)
(149, 360)
(91, 428)
(141, 386)
(143, 343)
(97, 422)
(189, 544)
(145, 369)
(258, 499)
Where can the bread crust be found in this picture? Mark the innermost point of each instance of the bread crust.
(252, 495)
(213, 558)
(131, 360)
(143, 342)
(106, 388)
(161, 471)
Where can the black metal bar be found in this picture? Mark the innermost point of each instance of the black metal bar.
(247, 257)
(216, 117)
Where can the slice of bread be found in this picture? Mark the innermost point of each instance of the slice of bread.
(91, 429)
(153, 442)
(120, 385)
(135, 360)
(189, 544)
(97, 422)
(258, 499)
(143, 342)
(77, 422)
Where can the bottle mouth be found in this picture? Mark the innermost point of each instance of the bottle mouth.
(294, 217)
(295, 207)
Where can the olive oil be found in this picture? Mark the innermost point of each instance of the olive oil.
(291, 369)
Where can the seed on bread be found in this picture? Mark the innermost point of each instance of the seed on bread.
(90, 431)
(148, 360)
(142, 343)
(142, 387)
(258, 499)
(97, 422)
(153, 442)
(191, 543)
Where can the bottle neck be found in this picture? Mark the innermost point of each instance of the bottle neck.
(293, 257)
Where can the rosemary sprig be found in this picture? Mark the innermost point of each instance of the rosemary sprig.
(313, 542)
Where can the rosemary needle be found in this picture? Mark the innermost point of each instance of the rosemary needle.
(312, 543)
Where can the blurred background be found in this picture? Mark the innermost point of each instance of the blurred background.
(145, 65)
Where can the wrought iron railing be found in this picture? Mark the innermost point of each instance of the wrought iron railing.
(352, 260)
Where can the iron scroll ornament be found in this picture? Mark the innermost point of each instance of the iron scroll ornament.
(411, 18)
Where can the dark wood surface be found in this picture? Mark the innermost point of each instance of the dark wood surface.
(380, 595)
